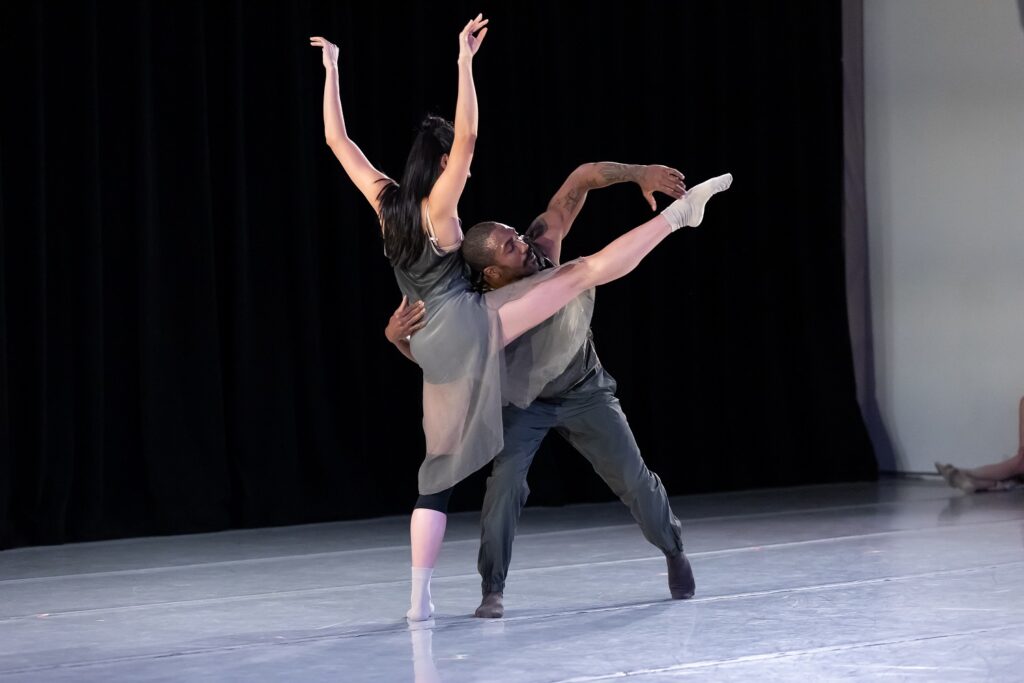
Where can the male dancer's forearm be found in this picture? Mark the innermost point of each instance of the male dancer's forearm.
(596, 175)
(592, 176)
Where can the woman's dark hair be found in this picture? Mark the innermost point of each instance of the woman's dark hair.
(400, 202)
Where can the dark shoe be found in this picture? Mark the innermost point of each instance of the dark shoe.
(680, 577)
(491, 607)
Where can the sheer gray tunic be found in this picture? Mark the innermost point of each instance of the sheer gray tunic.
(467, 373)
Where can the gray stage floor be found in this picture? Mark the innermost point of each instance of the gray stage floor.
(901, 580)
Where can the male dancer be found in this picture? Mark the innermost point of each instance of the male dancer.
(580, 404)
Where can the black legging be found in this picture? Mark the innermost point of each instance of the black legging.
(435, 501)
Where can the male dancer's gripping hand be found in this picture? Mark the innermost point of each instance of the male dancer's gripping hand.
(406, 321)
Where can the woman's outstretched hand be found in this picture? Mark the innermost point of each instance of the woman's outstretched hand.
(470, 40)
(330, 51)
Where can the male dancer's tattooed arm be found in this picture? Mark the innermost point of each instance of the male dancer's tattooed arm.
(404, 322)
(549, 229)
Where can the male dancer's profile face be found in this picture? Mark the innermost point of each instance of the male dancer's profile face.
(512, 255)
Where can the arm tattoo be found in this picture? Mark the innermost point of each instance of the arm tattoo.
(572, 199)
(616, 173)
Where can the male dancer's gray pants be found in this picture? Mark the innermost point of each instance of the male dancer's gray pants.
(590, 418)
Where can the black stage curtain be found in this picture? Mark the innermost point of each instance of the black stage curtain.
(193, 295)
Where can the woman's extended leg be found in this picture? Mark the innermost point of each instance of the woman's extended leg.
(617, 259)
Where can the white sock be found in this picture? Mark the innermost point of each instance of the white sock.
(422, 608)
(689, 210)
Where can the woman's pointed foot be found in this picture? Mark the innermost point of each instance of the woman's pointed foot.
(688, 210)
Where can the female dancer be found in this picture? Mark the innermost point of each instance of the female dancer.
(460, 347)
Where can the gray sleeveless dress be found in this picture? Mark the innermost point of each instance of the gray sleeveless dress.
(467, 373)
